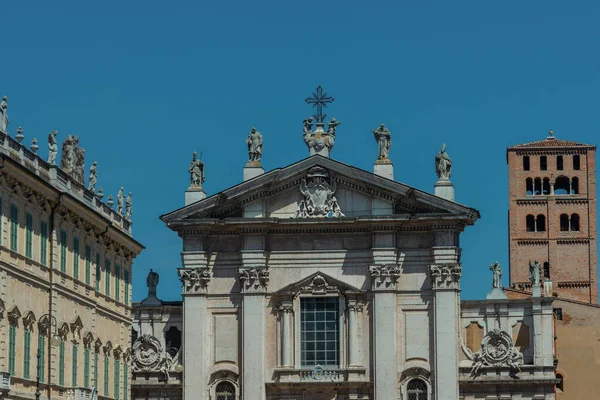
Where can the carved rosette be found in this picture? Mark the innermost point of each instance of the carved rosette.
(195, 280)
(445, 276)
(147, 354)
(384, 276)
(318, 201)
(497, 350)
(253, 279)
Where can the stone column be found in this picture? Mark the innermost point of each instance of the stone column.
(253, 282)
(445, 284)
(384, 283)
(354, 307)
(286, 310)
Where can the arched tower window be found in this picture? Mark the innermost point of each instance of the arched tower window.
(575, 222)
(416, 390)
(575, 185)
(225, 391)
(576, 162)
(525, 163)
(561, 186)
(529, 187)
(559, 163)
(547, 270)
(543, 163)
(546, 187)
(540, 223)
(564, 222)
(537, 186)
(530, 222)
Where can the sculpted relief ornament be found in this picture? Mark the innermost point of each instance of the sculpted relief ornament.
(195, 279)
(318, 189)
(253, 278)
(497, 349)
(445, 276)
(384, 275)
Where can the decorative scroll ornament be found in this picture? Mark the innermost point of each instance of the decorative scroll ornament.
(445, 276)
(384, 275)
(318, 189)
(147, 354)
(194, 279)
(253, 278)
(319, 285)
(497, 349)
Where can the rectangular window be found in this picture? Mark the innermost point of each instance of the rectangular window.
(63, 251)
(106, 376)
(74, 367)
(125, 378)
(543, 163)
(76, 257)
(26, 354)
(43, 242)
(61, 364)
(88, 262)
(117, 378)
(42, 348)
(98, 272)
(107, 283)
(28, 235)
(319, 321)
(576, 162)
(526, 163)
(558, 313)
(117, 283)
(86, 368)
(96, 380)
(12, 341)
(14, 227)
(126, 283)
(559, 163)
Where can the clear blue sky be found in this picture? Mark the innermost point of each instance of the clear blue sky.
(147, 83)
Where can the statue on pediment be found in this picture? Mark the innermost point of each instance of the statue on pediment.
(443, 164)
(318, 189)
(52, 147)
(383, 137)
(4, 114)
(496, 275)
(255, 143)
(196, 171)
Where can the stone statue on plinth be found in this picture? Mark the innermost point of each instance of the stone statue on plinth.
(128, 211)
(72, 159)
(496, 275)
(535, 273)
(255, 143)
(52, 147)
(196, 171)
(383, 138)
(93, 179)
(120, 201)
(152, 282)
(4, 115)
(443, 164)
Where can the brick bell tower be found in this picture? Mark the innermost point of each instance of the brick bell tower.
(552, 216)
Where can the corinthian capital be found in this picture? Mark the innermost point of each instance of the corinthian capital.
(445, 276)
(253, 279)
(195, 280)
(384, 276)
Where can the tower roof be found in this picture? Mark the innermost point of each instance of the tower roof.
(552, 142)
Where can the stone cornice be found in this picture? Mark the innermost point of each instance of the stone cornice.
(536, 151)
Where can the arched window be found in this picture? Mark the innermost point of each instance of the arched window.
(530, 221)
(547, 270)
(559, 163)
(540, 223)
(225, 391)
(537, 187)
(525, 163)
(575, 185)
(561, 382)
(529, 187)
(173, 340)
(564, 222)
(543, 163)
(576, 162)
(561, 186)
(416, 390)
(546, 187)
(574, 222)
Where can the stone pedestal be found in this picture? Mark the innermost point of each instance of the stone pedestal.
(252, 169)
(384, 169)
(536, 291)
(320, 141)
(444, 189)
(496, 294)
(194, 194)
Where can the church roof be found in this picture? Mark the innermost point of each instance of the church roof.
(550, 142)
(222, 204)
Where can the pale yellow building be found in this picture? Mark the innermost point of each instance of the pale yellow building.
(65, 277)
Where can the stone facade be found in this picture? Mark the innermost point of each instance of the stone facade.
(65, 273)
(552, 216)
(323, 281)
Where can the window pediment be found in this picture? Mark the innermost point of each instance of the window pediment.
(318, 284)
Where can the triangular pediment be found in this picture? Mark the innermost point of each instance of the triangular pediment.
(280, 194)
(318, 284)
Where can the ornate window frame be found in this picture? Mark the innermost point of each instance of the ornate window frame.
(415, 372)
(223, 373)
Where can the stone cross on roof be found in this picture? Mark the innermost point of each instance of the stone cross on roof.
(319, 100)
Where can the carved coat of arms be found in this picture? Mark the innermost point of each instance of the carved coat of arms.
(497, 349)
(147, 354)
(319, 201)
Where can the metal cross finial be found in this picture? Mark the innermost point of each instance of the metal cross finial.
(319, 100)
